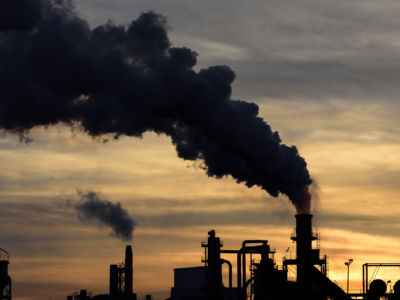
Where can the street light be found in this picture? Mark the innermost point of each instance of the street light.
(348, 263)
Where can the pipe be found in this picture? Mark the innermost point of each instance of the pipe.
(230, 275)
(239, 271)
(244, 262)
(238, 265)
(247, 284)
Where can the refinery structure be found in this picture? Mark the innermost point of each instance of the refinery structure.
(262, 279)
(258, 277)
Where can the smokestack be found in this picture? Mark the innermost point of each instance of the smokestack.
(128, 271)
(303, 248)
(214, 275)
(113, 281)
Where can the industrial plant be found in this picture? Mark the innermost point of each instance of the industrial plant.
(261, 279)
(120, 285)
(267, 281)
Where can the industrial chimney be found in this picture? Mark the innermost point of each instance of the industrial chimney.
(128, 271)
(304, 238)
(114, 282)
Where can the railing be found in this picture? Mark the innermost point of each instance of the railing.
(292, 255)
(4, 255)
(204, 243)
(314, 235)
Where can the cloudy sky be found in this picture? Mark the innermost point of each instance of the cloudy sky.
(324, 74)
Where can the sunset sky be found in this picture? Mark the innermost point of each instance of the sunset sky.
(325, 75)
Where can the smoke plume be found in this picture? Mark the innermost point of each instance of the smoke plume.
(91, 207)
(126, 80)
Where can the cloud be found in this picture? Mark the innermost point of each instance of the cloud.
(294, 49)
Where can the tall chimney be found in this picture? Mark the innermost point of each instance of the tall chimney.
(128, 271)
(303, 248)
(113, 281)
(213, 271)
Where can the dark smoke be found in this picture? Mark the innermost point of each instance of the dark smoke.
(92, 208)
(126, 80)
(20, 14)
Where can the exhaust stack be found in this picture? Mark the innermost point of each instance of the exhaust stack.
(304, 238)
(128, 271)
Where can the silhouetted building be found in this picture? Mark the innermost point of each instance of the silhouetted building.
(120, 283)
(257, 275)
(189, 283)
(82, 295)
(5, 279)
(121, 278)
(263, 280)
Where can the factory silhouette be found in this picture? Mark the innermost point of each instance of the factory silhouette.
(262, 279)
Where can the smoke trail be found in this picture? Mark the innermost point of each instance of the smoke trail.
(126, 80)
(92, 208)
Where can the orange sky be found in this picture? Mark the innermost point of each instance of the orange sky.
(324, 76)
(175, 204)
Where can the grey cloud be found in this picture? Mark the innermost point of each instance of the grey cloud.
(242, 217)
(349, 252)
(318, 79)
(20, 214)
(67, 178)
(313, 49)
(203, 203)
(376, 225)
(39, 228)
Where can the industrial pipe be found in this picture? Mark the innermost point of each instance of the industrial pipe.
(224, 261)
(244, 261)
(239, 271)
(238, 265)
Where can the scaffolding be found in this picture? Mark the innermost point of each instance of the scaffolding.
(366, 276)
